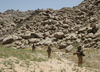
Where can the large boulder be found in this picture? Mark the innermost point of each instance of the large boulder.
(47, 41)
(69, 48)
(8, 40)
(59, 35)
(33, 40)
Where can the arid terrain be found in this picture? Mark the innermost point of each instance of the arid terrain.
(64, 30)
(23, 60)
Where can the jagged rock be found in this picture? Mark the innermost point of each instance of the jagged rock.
(73, 36)
(87, 46)
(37, 35)
(67, 38)
(82, 30)
(90, 35)
(69, 42)
(26, 36)
(18, 47)
(44, 22)
(67, 21)
(50, 27)
(89, 30)
(59, 35)
(47, 34)
(96, 35)
(1, 39)
(95, 28)
(87, 40)
(65, 26)
(78, 40)
(61, 44)
(92, 44)
(15, 37)
(13, 24)
(69, 48)
(8, 40)
(54, 39)
(47, 41)
(92, 19)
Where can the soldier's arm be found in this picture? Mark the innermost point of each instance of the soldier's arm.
(76, 53)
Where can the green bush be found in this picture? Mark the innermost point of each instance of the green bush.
(1, 22)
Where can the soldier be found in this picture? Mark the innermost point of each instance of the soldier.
(33, 47)
(80, 55)
(49, 51)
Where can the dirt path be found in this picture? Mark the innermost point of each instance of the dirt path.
(74, 67)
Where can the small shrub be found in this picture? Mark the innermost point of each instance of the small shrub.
(59, 59)
(1, 23)
(13, 17)
(17, 61)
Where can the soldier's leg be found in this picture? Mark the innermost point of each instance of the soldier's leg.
(49, 54)
(32, 49)
(80, 60)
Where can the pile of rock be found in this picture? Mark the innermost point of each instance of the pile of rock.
(60, 28)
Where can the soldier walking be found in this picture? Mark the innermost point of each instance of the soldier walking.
(33, 47)
(49, 51)
(80, 55)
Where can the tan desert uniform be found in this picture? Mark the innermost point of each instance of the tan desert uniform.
(80, 55)
(49, 51)
(33, 47)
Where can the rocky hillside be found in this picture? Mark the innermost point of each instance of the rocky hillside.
(62, 28)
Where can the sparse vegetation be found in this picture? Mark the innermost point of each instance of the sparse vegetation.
(75, 44)
(63, 70)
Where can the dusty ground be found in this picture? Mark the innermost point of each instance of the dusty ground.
(58, 63)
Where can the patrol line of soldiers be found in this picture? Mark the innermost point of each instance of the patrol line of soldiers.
(79, 53)
(48, 50)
